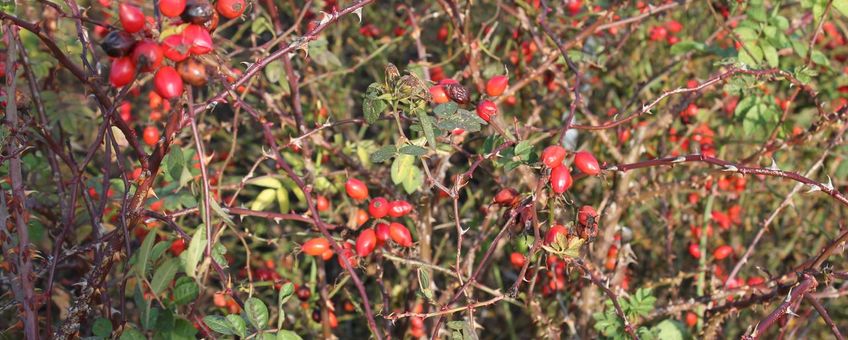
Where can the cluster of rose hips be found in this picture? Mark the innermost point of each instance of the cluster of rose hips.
(560, 179)
(368, 239)
(136, 49)
(666, 32)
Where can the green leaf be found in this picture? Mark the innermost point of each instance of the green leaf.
(175, 162)
(671, 330)
(383, 154)
(260, 25)
(424, 284)
(194, 253)
(770, 54)
(413, 181)
(413, 150)
(287, 335)
(218, 252)
(746, 33)
(144, 254)
(274, 71)
(445, 109)
(237, 324)
(216, 208)
(523, 147)
(266, 182)
(751, 54)
(185, 290)
(257, 313)
(283, 200)
(102, 327)
(264, 199)
(372, 106)
(286, 292)
(819, 58)
(218, 324)
(164, 274)
(427, 125)
(686, 46)
(402, 168)
(322, 56)
(132, 334)
(841, 6)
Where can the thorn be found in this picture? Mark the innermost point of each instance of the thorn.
(358, 13)
(326, 18)
(613, 168)
(829, 184)
(680, 159)
(773, 165)
(813, 188)
(277, 220)
(790, 312)
(730, 168)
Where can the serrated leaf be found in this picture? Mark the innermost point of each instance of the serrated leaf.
(424, 284)
(132, 334)
(192, 255)
(321, 55)
(746, 33)
(257, 313)
(382, 154)
(413, 150)
(164, 274)
(670, 330)
(185, 290)
(427, 126)
(216, 208)
(218, 324)
(372, 106)
(402, 168)
(175, 162)
(237, 325)
(770, 53)
(101, 327)
(284, 334)
(751, 54)
(286, 292)
(144, 253)
(445, 109)
(686, 46)
(260, 25)
(523, 147)
(819, 58)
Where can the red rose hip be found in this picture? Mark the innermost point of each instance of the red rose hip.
(168, 83)
(560, 179)
(356, 189)
(400, 234)
(553, 156)
(132, 19)
(366, 242)
(378, 208)
(496, 85)
(586, 163)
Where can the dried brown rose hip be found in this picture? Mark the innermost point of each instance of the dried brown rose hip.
(192, 72)
(197, 11)
(117, 44)
(457, 93)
